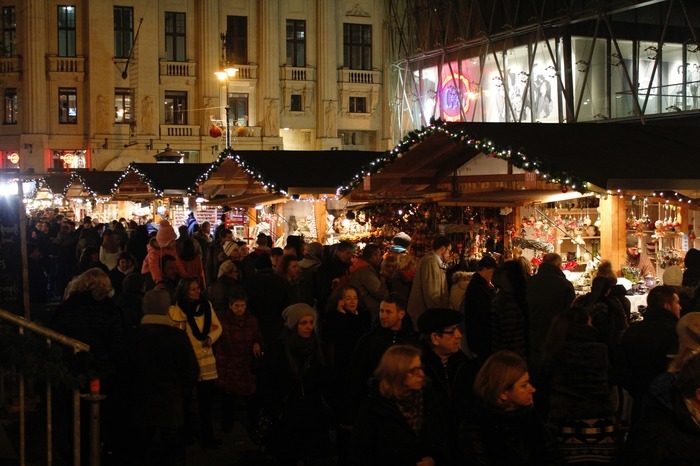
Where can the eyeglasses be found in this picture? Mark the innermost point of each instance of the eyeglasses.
(416, 370)
(449, 332)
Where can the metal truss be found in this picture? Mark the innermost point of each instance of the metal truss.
(441, 32)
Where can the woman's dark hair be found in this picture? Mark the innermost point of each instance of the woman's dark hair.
(559, 329)
(183, 288)
(599, 289)
(283, 266)
(188, 252)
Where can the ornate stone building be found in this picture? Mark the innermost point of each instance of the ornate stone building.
(100, 84)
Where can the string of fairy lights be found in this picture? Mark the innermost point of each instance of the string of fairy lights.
(546, 170)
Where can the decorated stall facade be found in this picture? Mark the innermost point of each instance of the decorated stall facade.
(554, 176)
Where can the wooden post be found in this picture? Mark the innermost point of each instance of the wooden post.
(320, 215)
(613, 231)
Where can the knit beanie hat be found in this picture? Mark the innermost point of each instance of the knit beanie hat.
(314, 249)
(631, 241)
(673, 276)
(225, 268)
(293, 314)
(166, 234)
(403, 240)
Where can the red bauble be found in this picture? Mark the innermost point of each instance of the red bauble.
(564, 189)
(215, 132)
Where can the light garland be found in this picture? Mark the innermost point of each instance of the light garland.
(151, 185)
(256, 175)
(547, 170)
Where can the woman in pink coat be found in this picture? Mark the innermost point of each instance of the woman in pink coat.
(163, 244)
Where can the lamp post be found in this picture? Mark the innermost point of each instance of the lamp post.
(224, 76)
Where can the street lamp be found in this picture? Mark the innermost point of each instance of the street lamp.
(225, 76)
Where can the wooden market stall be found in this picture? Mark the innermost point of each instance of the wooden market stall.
(284, 192)
(514, 166)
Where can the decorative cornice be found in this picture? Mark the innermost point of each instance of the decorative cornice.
(357, 11)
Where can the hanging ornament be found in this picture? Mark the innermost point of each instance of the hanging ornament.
(565, 189)
(215, 132)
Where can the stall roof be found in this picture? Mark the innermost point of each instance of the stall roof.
(609, 155)
(631, 157)
(142, 181)
(57, 183)
(93, 183)
(254, 177)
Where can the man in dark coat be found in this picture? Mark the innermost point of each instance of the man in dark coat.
(548, 293)
(164, 369)
(647, 344)
(476, 306)
(451, 372)
(267, 298)
(394, 329)
(334, 271)
(670, 435)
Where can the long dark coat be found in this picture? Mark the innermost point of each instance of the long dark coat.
(234, 354)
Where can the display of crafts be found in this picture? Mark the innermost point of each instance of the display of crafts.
(632, 274)
(669, 257)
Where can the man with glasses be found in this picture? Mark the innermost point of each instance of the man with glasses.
(451, 372)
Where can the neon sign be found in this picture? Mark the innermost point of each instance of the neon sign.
(455, 96)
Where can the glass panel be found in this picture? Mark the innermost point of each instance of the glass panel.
(593, 99)
(622, 98)
(693, 77)
(674, 93)
(649, 80)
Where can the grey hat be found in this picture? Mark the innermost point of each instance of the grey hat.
(402, 239)
(293, 314)
(156, 302)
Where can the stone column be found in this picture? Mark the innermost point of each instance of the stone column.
(268, 73)
(329, 60)
(208, 57)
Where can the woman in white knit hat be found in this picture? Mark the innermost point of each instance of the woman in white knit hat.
(294, 390)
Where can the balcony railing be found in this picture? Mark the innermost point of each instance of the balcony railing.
(295, 73)
(66, 64)
(178, 68)
(9, 65)
(179, 130)
(359, 76)
(245, 72)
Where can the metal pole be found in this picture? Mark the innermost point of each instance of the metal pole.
(228, 118)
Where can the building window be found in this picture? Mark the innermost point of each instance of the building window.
(122, 105)
(357, 46)
(9, 32)
(66, 31)
(175, 107)
(296, 42)
(237, 39)
(358, 105)
(123, 31)
(238, 104)
(296, 103)
(11, 107)
(175, 36)
(68, 105)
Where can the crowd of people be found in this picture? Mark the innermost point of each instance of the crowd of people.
(334, 355)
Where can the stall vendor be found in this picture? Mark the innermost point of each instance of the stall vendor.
(638, 259)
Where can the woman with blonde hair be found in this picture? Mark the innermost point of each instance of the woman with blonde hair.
(506, 429)
(88, 314)
(401, 423)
